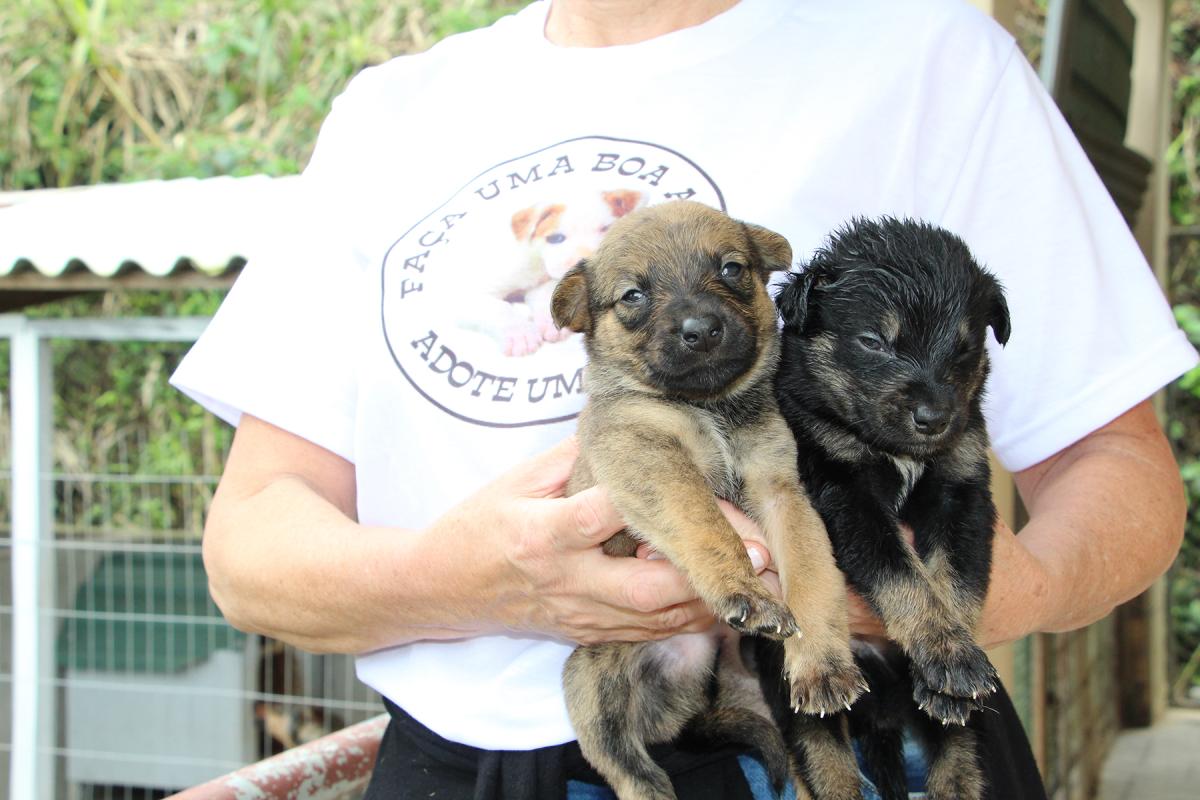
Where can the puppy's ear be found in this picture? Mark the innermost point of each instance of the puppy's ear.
(792, 300)
(522, 223)
(998, 317)
(569, 305)
(621, 201)
(773, 249)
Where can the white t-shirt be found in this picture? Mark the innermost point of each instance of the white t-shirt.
(400, 324)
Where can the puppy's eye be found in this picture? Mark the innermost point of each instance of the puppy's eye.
(633, 297)
(556, 238)
(731, 270)
(869, 341)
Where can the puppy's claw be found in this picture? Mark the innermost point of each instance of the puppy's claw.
(942, 707)
(757, 615)
(825, 686)
(951, 664)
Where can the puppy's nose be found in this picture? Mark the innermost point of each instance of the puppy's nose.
(930, 420)
(702, 333)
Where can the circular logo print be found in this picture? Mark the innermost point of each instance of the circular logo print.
(467, 289)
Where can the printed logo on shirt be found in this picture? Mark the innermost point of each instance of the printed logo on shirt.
(467, 289)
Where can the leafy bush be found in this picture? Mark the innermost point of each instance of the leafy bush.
(1184, 288)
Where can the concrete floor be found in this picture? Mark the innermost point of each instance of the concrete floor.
(1159, 763)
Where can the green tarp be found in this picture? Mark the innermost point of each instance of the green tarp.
(144, 612)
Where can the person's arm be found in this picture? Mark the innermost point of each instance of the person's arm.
(285, 557)
(1105, 521)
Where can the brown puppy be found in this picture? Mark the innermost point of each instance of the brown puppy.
(682, 343)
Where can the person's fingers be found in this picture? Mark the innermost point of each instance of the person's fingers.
(647, 551)
(697, 618)
(760, 557)
(649, 586)
(635, 584)
(752, 535)
(746, 527)
(584, 520)
(771, 579)
(862, 618)
(545, 474)
(691, 617)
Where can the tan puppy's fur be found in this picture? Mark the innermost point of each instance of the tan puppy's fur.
(682, 342)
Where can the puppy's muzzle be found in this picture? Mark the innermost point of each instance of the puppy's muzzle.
(930, 420)
(931, 408)
(702, 332)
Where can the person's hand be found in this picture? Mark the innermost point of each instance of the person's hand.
(752, 537)
(537, 565)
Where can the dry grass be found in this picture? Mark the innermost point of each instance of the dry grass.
(123, 89)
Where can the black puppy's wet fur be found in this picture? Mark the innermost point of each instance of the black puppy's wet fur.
(881, 381)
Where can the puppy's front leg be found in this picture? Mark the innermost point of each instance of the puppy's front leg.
(819, 666)
(953, 535)
(953, 523)
(888, 573)
(654, 481)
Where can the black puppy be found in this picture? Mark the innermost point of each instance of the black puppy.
(881, 381)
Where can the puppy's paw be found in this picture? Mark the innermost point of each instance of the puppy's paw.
(548, 331)
(757, 614)
(824, 684)
(944, 708)
(955, 666)
(521, 339)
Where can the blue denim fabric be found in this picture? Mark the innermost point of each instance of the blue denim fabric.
(752, 768)
(916, 768)
(578, 790)
(760, 782)
(760, 785)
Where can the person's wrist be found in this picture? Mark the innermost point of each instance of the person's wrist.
(1024, 594)
(449, 587)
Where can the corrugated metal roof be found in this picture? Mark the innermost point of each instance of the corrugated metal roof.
(157, 228)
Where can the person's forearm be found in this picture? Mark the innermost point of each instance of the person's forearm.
(1106, 519)
(286, 558)
(312, 576)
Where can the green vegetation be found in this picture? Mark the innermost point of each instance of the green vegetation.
(120, 90)
(1184, 288)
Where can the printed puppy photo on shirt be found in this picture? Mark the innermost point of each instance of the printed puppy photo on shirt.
(467, 289)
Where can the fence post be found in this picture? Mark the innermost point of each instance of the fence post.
(32, 765)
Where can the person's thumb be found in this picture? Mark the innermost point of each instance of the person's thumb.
(545, 474)
(585, 520)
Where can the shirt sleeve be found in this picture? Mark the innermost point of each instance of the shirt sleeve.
(283, 345)
(1092, 334)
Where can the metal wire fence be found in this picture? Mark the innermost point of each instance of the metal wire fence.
(152, 691)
